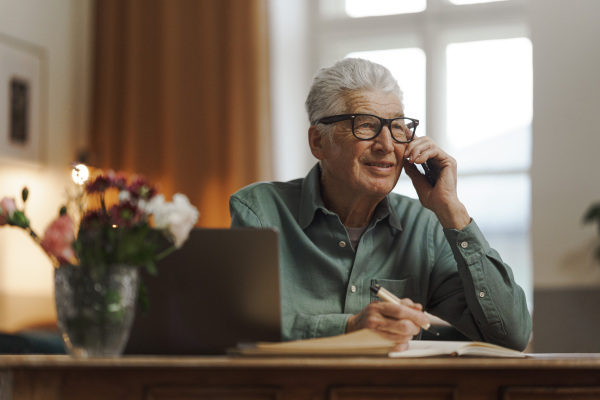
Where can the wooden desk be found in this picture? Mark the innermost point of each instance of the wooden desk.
(160, 378)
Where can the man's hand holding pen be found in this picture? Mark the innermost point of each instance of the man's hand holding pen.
(399, 321)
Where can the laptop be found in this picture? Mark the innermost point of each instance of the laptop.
(220, 289)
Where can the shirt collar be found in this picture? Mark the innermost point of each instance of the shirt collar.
(311, 201)
(384, 210)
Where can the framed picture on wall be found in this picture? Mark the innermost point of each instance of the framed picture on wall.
(21, 127)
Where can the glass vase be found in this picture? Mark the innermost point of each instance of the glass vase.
(95, 308)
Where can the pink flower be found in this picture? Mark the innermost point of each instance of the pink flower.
(58, 239)
(7, 208)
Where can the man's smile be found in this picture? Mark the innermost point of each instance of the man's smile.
(380, 164)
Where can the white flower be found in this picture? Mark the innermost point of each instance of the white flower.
(124, 196)
(177, 217)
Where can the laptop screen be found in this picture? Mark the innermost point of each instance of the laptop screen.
(221, 288)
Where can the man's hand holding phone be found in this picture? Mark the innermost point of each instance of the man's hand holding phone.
(427, 170)
(441, 197)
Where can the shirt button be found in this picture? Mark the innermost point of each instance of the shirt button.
(353, 289)
(464, 245)
(342, 243)
(482, 294)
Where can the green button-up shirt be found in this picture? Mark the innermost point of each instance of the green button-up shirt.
(454, 274)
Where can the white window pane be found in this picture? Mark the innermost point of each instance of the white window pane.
(511, 151)
(367, 8)
(461, 2)
(500, 204)
(408, 67)
(489, 101)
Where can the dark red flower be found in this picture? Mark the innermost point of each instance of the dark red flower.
(93, 220)
(139, 188)
(103, 182)
(125, 214)
(118, 180)
(99, 184)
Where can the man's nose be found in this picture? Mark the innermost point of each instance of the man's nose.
(385, 139)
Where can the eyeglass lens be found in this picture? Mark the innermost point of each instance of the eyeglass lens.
(367, 126)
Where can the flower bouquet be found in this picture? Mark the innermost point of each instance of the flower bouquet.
(109, 229)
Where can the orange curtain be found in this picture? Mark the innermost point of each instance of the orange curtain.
(181, 95)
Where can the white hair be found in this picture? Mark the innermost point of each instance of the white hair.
(331, 86)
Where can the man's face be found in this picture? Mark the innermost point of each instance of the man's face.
(370, 168)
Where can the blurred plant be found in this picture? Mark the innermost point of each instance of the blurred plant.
(593, 216)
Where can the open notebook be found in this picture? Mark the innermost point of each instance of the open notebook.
(368, 343)
(220, 288)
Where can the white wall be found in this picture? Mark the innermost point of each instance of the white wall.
(565, 174)
(566, 141)
(61, 29)
(292, 62)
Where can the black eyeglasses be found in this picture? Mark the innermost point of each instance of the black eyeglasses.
(367, 126)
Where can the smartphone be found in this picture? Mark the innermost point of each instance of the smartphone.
(427, 168)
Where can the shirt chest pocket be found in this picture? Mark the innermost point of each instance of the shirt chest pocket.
(401, 288)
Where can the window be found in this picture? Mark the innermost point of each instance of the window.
(489, 91)
(362, 8)
(466, 73)
(462, 2)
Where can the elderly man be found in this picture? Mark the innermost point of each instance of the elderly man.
(342, 230)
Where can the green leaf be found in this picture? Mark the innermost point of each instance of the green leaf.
(151, 267)
(25, 194)
(143, 299)
(19, 219)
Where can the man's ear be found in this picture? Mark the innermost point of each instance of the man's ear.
(316, 142)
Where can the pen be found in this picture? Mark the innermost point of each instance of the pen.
(388, 296)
